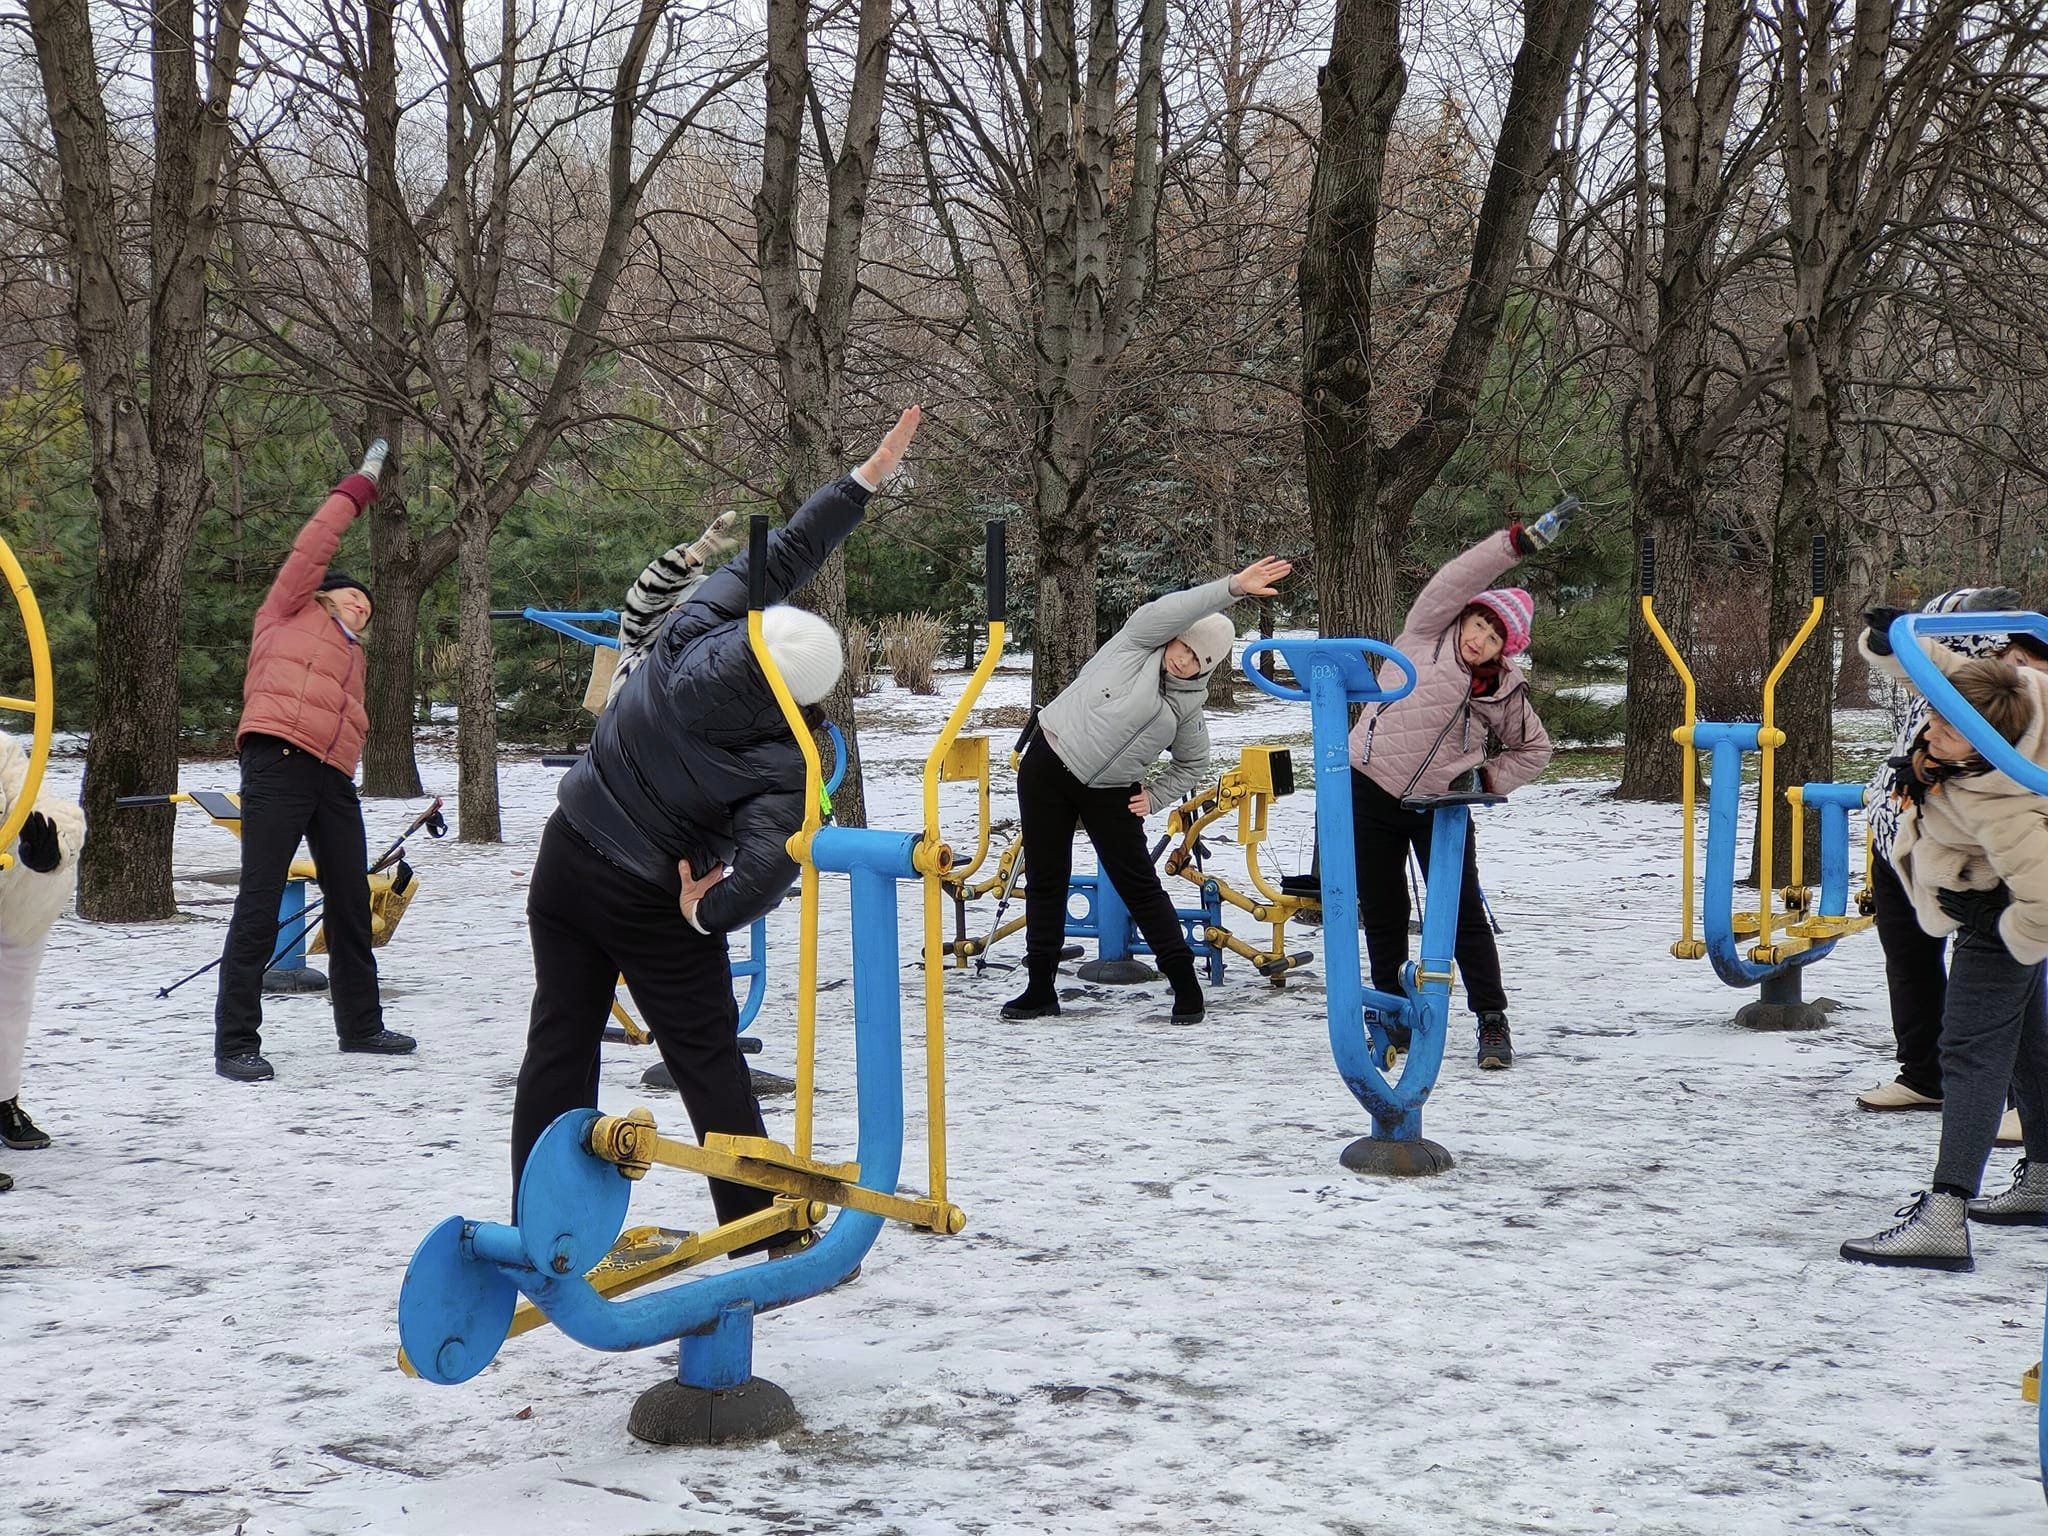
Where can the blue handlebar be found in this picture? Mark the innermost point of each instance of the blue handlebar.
(1941, 694)
(1361, 681)
(838, 758)
(566, 622)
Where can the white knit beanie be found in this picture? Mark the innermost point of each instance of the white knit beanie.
(806, 649)
(1210, 638)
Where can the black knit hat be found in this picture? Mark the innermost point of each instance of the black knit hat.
(334, 581)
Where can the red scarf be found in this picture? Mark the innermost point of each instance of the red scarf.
(1485, 678)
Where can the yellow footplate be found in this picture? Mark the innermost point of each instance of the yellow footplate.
(2030, 1384)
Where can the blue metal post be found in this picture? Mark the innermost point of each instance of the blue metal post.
(288, 970)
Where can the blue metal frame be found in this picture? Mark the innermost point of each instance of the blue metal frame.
(1726, 744)
(1107, 921)
(456, 1304)
(1905, 635)
(565, 622)
(1363, 1021)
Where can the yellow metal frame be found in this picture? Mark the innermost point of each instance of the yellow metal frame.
(1247, 790)
(41, 708)
(800, 850)
(1689, 946)
(934, 859)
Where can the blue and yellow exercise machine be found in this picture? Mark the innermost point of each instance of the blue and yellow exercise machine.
(1367, 1025)
(463, 1286)
(1746, 948)
(40, 706)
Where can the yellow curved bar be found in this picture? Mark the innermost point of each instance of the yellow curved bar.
(41, 707)
(800, 850)
(1688, 946)
(930, 861)
(1769, 739)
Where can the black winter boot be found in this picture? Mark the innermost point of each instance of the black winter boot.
(1188, 1006)
(1038, 1000)
(1496, 1047)
(17, 1130)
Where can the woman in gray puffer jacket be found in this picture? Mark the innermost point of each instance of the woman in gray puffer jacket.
(1093, 762)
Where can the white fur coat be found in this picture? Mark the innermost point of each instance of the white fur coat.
(30, 901)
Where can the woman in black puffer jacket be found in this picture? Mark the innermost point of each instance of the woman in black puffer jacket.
(671, 832)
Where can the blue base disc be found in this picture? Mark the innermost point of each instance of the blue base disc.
(453, 1311)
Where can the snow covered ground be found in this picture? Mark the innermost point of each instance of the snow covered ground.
(1172, 1310)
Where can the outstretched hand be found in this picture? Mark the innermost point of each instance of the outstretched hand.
(885, 458)
(1257, 579)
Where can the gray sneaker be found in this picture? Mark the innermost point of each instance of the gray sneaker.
(1931, 1235)
(2025, 1204)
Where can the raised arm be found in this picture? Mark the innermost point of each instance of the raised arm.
(313, 550)
(803, 544)
(1162, 619)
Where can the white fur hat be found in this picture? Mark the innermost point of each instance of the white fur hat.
(807, 651)
(1210, 638)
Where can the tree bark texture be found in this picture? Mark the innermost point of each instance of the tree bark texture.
(148, 473)
(1362, 493)
(1095, 275)
(1696, 75)
(810, 339)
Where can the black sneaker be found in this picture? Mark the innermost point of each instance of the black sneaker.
(1496, 1050)
(17, 1130)
(386, 1042)
(249, 1067)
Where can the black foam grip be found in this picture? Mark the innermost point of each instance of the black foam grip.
(1820, 565)
(144, 800)
(508, 613)
(998, 570)
(1649, 570)
(757, 560)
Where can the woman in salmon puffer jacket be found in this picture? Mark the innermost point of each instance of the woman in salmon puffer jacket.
(1469, 712)
(301, 737)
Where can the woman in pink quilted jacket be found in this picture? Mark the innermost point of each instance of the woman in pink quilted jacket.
(301, 737)
(1469, 713)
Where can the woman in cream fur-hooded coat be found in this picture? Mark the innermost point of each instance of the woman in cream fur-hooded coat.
(30, 902)
(1974, 832)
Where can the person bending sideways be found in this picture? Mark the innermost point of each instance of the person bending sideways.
(301, 737)
(1971, 851)
(1093, 762)
(672, 831)
(1469, 713)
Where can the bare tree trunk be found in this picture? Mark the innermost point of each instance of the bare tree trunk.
(810, 341)
(1362, 495)
(1357, 547)
(1089, 315)
(148, 471)
(477, 688)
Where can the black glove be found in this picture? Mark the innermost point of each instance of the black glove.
(1879, 623)
(39, 850)
(1977, 911)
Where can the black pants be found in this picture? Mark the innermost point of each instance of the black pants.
(1916, 974)
(591, 922)
(1051, 802)
(1994, 1037)
(287, 794)
(1383, 833)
